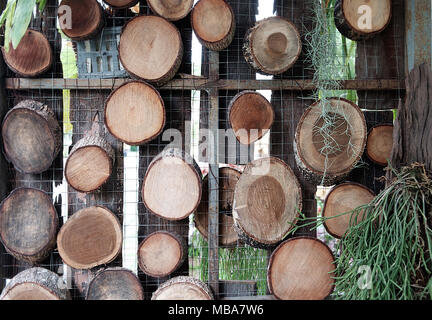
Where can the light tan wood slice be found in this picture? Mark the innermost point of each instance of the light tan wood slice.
(183, 288)
(121, 4)
(380, 144)
(171, 10)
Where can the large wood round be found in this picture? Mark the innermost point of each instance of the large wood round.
(115, 284)
(213, 22)
(32, 57)
(380, 144)
(172, 185)
(151, 48)
(301, 269)
(346, 140)
(342, 199)
(171, 10)
(90, 237)
(362, 19)
(32, 137)
(183, 288)
(28, 224)
(161, 253)
(121, 4)
(135, 113)
(36, 284)
(267, 201)
(251, 116)
(272, 46)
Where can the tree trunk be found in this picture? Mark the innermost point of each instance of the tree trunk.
(172, 10)
(380, 144)
(183, 288)
(121, 4)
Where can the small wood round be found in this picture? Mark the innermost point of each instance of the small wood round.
(272, 46)
(341, 199)
(161, 253)
(115, 284)
(28, 224)
(353, 21)
(172, 185)
(349, 135)
(151, 48)
(251, 116)
(267, 201)
(301, 269)
(91, 237)
(213, 22)
(183, 288)
(171, 10)
(135, 113)
(380, 144)
(36, 284)
(121, 4)
(32, 137)
(32, 57)
(228, 178)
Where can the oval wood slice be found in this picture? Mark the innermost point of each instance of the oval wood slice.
(272, 46)
(172, 185)
(342, 199)
(32, 57)
(32, 137)
(121, 4)
(267, 201)
(362, 19)
(91, 237)
(183, 288)
(251, 116)
(36, 284)
(151, 48)
(329, 158)
(213, 22)
(171, 10)
(161, 253)
(301, 269)
(228, 178)
(84, 19)
(28, 222)
(135, 113)
(115, 284)
(380, 144)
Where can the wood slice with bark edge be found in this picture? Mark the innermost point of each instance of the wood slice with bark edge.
(36, 284)
(228, 178)
(380, 143)
(32, 137)
(250, 111)
(288, 279)
(349, 142)
(183, 175)
(151, 49)
(347, 15)
(267, 201)
(172, 10)
(161, 253)
(115, 284)
(272, 52)
(89, 238)
(183, 288)
(341, 199)
(87, 19)
(32, 57)
(28, 224)
(213, 22)
(121, 4)
(135, 113)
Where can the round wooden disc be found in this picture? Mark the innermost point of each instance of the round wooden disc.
(115, 284)
(183, 288)
(32, 57)
(160, 254)
(300, 269)
(121, 4)
(135, 113)
(28, 224)
(380, 144)
(91, 237)
(151, 48)
(251, 116)
(171, 10)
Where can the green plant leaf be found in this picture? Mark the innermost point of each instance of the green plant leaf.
(6, 12)
(42, 4)
(9, 20)
(21, 20)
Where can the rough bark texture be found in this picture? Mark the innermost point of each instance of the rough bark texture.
(171, 285)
